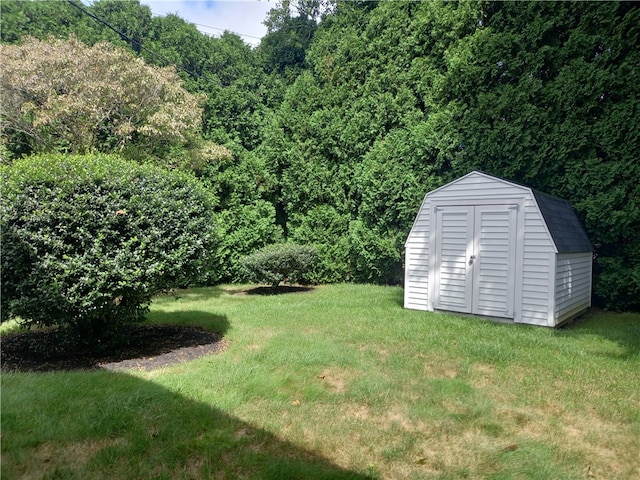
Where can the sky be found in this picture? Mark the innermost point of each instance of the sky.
(243, 17)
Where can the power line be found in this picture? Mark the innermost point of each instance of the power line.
(209, 26)
(227, 30)
(129, 39)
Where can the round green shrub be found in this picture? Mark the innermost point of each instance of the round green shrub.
(243, 229)
(278, 262)
(328, 231)
(87, 241)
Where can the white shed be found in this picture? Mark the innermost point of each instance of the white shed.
(485, 246)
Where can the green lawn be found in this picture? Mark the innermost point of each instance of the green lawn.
(341, 382)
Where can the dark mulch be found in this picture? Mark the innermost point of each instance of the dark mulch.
(148, 347)
(279, 290)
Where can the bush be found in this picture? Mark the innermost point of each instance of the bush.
(88, 240)
(276, 263)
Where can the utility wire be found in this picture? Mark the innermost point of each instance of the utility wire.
(129, 39)
(227, 30)
(157, 15)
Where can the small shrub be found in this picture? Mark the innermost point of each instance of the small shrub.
(328, 231)
(244, 229)
(88, 240)
(275, 263)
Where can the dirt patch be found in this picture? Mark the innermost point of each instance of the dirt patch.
(335, 380)
(76, 453)
(435, 367)
(148, 347)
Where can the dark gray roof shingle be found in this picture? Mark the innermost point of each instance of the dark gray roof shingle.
(563, 223)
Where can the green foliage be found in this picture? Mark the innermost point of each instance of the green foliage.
(290, 29)
(65, 96)
(327, 231)
(88, 240)
(39, 19)
(352, 111)
(617, 283)
(546, 94)
(243, 230)
(375, 254)
(278, 262)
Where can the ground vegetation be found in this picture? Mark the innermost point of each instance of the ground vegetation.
(336, 126)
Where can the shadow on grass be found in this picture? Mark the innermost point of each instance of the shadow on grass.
(168, 338)
(399, 297)
(191, 294)
(206, 320)
(621, 328)
(279, 290)
(113, 425)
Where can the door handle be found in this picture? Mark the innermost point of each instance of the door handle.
(471, 259)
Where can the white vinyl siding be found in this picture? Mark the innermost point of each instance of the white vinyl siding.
(573, 284)
(416, 292)
(453, 276)
(537, 294)
(475, 190)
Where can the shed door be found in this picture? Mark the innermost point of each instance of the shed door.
(475, 259)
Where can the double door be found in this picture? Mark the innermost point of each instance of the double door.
(475, 259)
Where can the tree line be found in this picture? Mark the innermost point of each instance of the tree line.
(333, 129)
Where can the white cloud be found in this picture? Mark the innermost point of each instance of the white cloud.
(243, 17)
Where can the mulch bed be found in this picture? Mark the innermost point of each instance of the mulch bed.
(279, 290)
(149, 347)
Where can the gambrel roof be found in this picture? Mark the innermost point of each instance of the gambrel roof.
(563, 223)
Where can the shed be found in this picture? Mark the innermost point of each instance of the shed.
(485, 246)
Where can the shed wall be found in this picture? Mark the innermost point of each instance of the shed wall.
(536, 300)
(473, 188)
(416, 282)
(572, 284)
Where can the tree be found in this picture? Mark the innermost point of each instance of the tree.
(399, 98)
(129, 17)
(40, 19)
(354, 142)
(290, 29)
(87, 241)
(61, 95)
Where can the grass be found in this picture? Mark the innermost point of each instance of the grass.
(341, 382)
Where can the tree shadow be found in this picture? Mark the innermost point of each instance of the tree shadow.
(279, 290)
(169, 338)
(399, 297)
(621, 328)
(190, 294)
(206, 320)
(104, 424)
